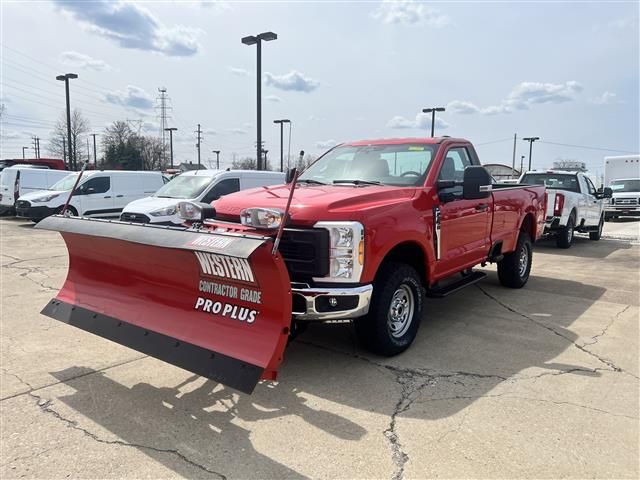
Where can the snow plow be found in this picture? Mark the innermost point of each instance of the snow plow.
(214, 303)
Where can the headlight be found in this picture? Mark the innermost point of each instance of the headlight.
(46, 198)
(195, 211)
(270, 218)
(346, 250)
(163, 212)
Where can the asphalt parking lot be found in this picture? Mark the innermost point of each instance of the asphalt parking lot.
(533, 383)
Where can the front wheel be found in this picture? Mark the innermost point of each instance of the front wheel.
(515, 267)
(598, 233)
(394, 315)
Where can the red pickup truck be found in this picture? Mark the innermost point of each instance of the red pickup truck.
(372, 227)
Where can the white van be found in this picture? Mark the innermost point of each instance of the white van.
(195, 186)
(19, 180)
(100, 194)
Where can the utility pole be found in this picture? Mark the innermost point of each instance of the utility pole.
(23, 149)
(95, 157)
(282, 122)
(513, 160)
(217, 152)
(38, 143)
(35, 147)
(88, 151)
(264, 164)
(521, 164)
(530, 140)
(433, 111)
(65, 78)
(199, 138)
(171, 130)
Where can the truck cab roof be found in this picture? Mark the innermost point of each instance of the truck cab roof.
(396, 141)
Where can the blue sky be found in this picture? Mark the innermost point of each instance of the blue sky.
(566, 72)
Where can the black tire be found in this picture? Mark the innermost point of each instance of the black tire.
(564, 238)
(515, 267)
(598, 233)
(396, 285)
(71, 211)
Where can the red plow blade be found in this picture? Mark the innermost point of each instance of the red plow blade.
(216, 304)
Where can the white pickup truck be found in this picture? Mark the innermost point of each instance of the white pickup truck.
(573, 204)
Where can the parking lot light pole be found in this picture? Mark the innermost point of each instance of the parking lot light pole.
(171, 130)
(217, 152)
(65, 78)
(530, 140)
(23, 149)
(282, 122)
(257, 41)
(433, 111)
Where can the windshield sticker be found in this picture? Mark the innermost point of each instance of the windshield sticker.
(416, 148)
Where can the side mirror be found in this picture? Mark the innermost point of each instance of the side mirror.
(476, 183)
(290, 175)
(607, 192)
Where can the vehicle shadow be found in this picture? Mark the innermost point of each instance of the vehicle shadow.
(468, 345)
(583, 247)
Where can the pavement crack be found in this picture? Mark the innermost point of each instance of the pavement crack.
(605, 329)
(46, 407)
(16, 376)
(602, 360)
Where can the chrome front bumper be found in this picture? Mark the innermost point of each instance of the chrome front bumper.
(330, 303)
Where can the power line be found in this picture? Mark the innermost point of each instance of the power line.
(602, 149)
(494, 141)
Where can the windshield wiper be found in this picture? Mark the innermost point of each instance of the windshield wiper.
(359, 182)
(310, 181)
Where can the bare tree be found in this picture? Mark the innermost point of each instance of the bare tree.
(153, 153)
(80, 126)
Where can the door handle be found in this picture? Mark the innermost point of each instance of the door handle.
(482, 206)
(108, 196)
(119, 196)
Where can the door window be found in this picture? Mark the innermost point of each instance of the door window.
(590, 187)
(455, 162)
(225, 187)
(95, 185)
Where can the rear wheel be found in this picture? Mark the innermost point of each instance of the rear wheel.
(598, 233)
(515, 267)
(394, 315)
(565, 236)
(71, 211)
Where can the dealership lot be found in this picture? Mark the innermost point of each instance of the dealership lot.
(540, 382)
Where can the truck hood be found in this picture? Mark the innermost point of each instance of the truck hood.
(313, 203)
(43, 193)
(625, 194)
(149, 204)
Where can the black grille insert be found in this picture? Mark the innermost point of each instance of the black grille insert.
(22, 204)
(134, 217)
(306, 252)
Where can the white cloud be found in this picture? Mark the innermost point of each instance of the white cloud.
(10, 134)
(132, 97)
(241, 72)
(464, 108)
(409, 12)
(292, 81)
(210, 131)
(324, 144)
(238, 131)
(421, 121)
(273, 98)
(131, 26)
(81, 60)
(522, 97)
(607, 98)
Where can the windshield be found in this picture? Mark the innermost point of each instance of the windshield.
(184, 186)
(65, 184)
(553, 180)
(625, 185)
(401, 165)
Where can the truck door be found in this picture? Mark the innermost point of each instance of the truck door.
(464, 224)
(595, 205)
(96, 197)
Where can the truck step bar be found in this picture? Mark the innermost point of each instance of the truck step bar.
(448, 289)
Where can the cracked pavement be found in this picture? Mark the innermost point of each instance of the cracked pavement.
(534, 383)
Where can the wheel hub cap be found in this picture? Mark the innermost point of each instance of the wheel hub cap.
(523, 261)
(401, 311)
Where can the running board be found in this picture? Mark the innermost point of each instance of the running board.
(453, 287)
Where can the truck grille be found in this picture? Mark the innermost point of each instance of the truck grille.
(305, 252)
(134, 217)
(22, 204)
(625, 201)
